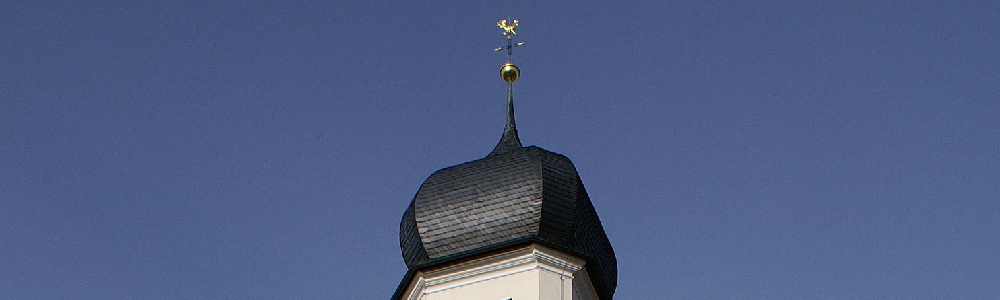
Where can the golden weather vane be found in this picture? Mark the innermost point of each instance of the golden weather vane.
(509, 30)
(509, 72)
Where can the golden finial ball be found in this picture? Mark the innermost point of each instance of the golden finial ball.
(509, 72)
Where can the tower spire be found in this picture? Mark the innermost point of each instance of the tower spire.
(509, 73)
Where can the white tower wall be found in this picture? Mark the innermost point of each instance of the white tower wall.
(533, 272)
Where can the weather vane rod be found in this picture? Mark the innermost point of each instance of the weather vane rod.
(509, 31)
(509, 73)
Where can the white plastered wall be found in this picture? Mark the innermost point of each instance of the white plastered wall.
(533, 272)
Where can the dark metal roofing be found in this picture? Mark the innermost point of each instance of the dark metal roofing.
(515, 195)
(509, 140)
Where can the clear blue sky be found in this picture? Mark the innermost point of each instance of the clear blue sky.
(267, 150)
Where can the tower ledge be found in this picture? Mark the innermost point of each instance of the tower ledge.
(529, 272)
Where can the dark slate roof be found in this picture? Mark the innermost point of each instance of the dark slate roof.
(516, 195)
(509, 140)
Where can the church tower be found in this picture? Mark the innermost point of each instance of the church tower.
(516, 224)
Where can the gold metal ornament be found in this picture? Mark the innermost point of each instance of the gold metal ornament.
(508, 30)
(509, 72)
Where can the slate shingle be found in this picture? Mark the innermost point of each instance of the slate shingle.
(515, 194)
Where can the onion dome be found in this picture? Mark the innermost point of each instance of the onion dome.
(519, 196)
